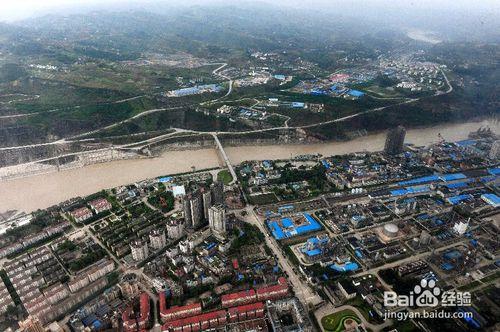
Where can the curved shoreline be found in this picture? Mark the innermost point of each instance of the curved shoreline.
(41, 191)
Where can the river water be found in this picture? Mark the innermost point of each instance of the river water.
(41, 191)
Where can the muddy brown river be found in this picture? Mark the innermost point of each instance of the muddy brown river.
(41, 191)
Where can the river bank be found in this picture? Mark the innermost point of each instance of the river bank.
(370, 143)
(41, 191)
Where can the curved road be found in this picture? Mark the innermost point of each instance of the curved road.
(215, 72)
(329, 309)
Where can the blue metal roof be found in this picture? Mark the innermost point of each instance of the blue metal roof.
(420, 180)
(417, 189)
(356, 93)
(313, 252)
(451, 177)
(467, 142)
(457, 199)
(491, 199)
(286, 222)
(398, 192)
(346, 267)
(289, 229)
(298, 104)
(494, 171)
(456, 185)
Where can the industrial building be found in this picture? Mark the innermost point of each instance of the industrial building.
(289, 227)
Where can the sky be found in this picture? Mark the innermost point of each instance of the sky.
(12, 10)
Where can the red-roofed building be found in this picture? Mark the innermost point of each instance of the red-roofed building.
(236, 265)
(133, 322)
(81, 214)
(273, 292)
(239, 298)
(196, 323)
(100, 205)
(177, 312)
(129, 322)
(244, 312)
(145, 310)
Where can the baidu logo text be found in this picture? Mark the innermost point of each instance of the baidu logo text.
(427, 294)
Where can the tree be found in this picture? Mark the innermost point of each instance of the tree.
(12, 311)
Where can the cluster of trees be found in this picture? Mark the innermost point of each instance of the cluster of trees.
(87, 259)
(315, 176)
(164, 201)
(246, 235)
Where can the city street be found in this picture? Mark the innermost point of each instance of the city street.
(305, 294)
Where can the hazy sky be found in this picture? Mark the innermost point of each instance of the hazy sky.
(11, 10)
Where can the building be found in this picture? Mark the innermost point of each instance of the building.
(394, 143)
(99, 269)
(495, 150)
(315, 248)
(143, 319)
(491, 199)
(217, 190)
(100, 205)
(217, 220)
(196, 208)
(31, 324)
(203, 322)
(81, 214)
(129, 285)
(5, 299)
(246, 312)
(56, 293)
(347, 289)
(80, 281)
(390, 230)
(207, 202)
(273, 292)
(239, 298)
(290, 307)
(412, 267)
(137, 321)
(177, 312)
(139, 250)
(192, 206)
(186, 208)
(157, 239)
(175, 228)
(460, 227)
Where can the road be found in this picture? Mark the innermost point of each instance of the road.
(329, 309)
(215, 72)
(21, 115)
(121, 267)
(226, 159)
(303, 292)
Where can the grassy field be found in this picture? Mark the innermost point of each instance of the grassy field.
(263, 199)
(335, 322)
(225, 177)
(361, 305)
